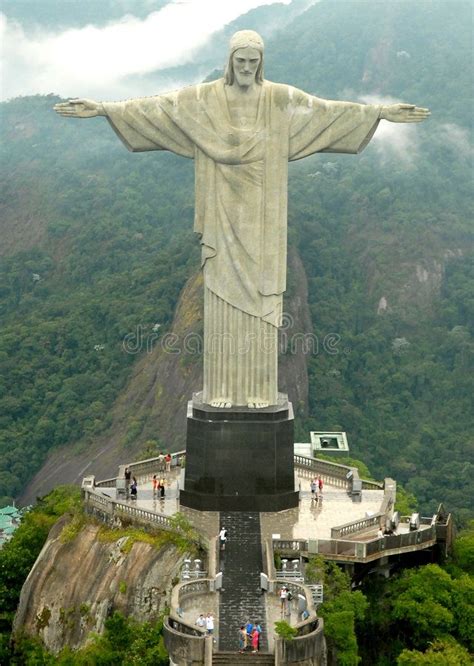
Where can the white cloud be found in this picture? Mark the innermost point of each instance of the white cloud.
(94, 61)
(457, 137)
(398, 141)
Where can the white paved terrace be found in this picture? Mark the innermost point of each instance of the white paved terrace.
(310, 520)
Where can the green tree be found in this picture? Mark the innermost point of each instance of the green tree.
(441, 653)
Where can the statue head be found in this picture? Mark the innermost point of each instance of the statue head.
(244, 39)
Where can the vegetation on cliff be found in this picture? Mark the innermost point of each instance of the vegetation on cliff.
(19, 554)
(124, 642)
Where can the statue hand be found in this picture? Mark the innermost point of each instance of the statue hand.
(79, 108)
(404, 113)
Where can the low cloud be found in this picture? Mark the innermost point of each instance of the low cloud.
(457, 137)
(398, 141)
(94, 61)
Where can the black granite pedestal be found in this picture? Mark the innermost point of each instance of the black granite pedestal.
(239, 459)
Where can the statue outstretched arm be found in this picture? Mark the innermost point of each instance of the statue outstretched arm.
(404, 113)
(80, 108)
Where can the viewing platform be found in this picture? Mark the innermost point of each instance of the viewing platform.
(351, 521)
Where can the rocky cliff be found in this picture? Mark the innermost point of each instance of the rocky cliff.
(77, 582)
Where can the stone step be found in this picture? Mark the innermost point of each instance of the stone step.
(231, 658)
(241, 598)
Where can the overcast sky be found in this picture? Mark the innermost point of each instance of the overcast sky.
(94, 61)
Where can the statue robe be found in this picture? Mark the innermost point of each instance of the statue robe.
(241, 177)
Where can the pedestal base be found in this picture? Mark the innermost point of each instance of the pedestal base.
(239, 459)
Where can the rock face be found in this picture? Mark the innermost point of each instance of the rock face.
(154, 402)
(75, 585)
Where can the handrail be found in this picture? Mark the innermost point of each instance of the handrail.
(186, 589)
(358, 551)
(307, 646)
(184, 628)
(111, 511)
(378, 519)
(334, 472)
(144, 469)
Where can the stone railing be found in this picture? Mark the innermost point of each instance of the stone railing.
(190, 644)
(113, 512)
(308, 647)
(186, 644)
(378, 519)
(334, 473)
(360, 551)
(357, 526)
(144, 469)
(185, 590)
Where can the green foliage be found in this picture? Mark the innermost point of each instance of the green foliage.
(18, 555)
(415, 609)
(463, 549)
(124, 641)
(441, 653)
(340, 633)
(361, 467)
(406, 502)
(186, 540)
(285, 630)
(115, 248)
(342, 609)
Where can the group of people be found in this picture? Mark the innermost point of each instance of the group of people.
(249, 636)
(164, 462)
(158, 481)
(206, 622)
(316, 489)
(159, 487)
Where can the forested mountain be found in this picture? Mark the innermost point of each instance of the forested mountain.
(96, 242)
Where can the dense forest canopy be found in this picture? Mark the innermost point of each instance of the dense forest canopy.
(98, 241)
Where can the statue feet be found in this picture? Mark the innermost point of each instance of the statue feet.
(221, 403)
(257, 404)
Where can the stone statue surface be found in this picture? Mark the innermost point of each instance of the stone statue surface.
(241, 131)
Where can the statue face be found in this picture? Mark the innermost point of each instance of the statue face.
(245, 63)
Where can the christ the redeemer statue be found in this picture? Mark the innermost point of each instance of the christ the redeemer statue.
(241, 132)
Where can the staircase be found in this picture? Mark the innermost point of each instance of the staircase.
(234, 659)
(241, 598)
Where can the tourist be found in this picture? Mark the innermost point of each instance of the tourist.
(201, 621)
(283, 597)
(258, 627)
(320, 484)
(162, 489)
(168, 462)
(255, 636)
(155, 485)
(161, 462)
(134, 489)
(223, 537)
(314, 488)
(248, 630)
(210, 623)
(242, 639)
(128, 476)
